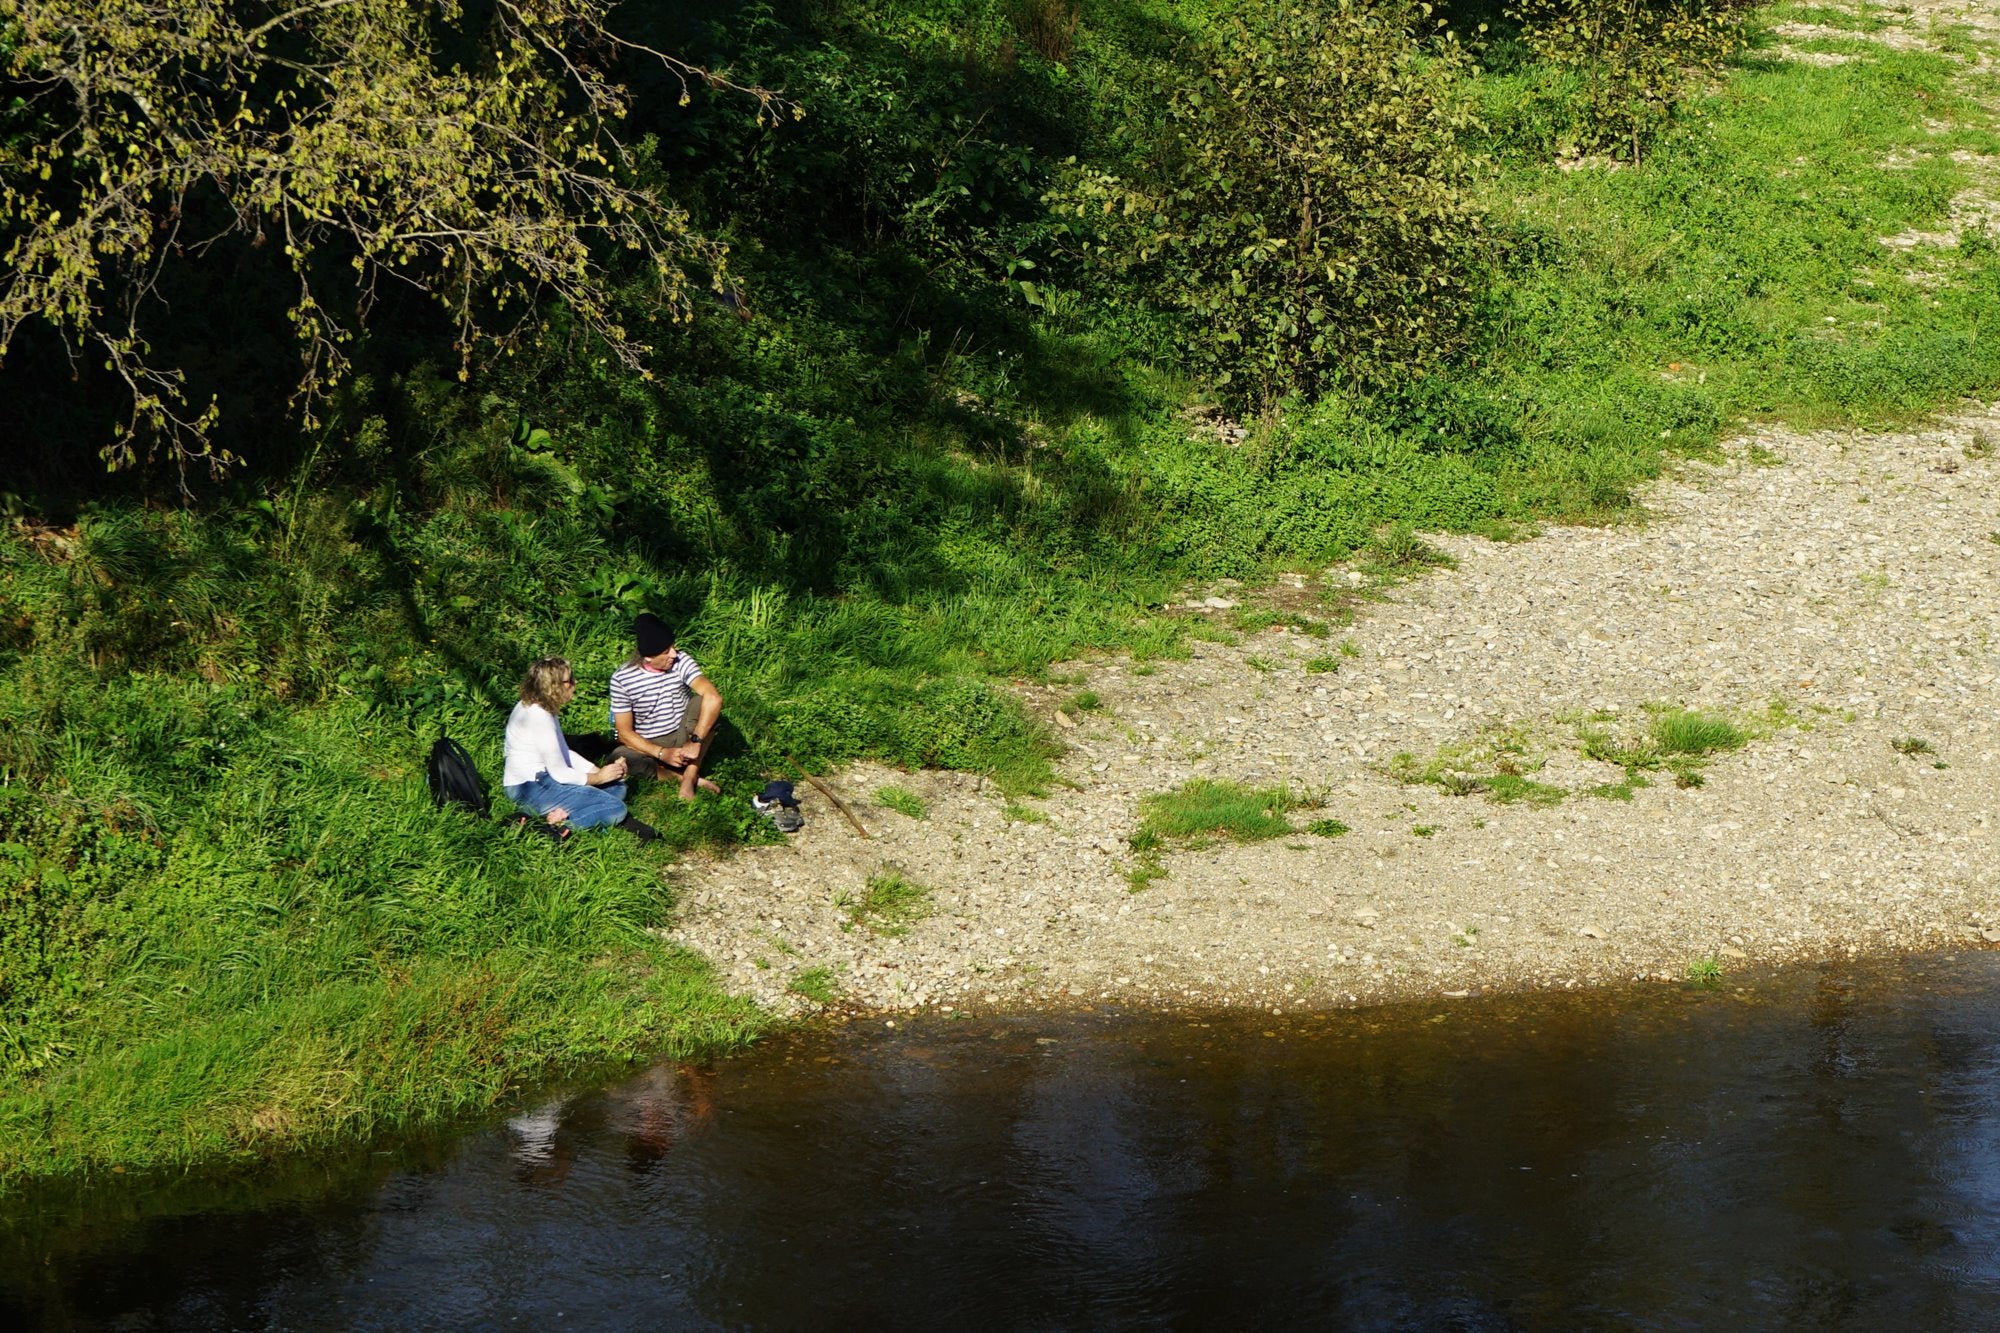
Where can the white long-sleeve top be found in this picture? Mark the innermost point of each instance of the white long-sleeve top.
(535, 746)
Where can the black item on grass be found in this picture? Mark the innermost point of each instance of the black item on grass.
(455, 779)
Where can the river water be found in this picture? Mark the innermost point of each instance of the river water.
(1816, 1148)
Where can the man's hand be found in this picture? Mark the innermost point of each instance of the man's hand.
(610, 773)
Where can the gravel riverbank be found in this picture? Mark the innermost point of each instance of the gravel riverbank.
(1833, 593)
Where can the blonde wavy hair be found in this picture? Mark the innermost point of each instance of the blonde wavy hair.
(545, 674)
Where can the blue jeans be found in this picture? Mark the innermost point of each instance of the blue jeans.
(589, 807)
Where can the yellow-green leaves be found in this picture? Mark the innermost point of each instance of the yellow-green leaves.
(340, 130)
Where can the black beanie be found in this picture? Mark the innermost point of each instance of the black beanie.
(653, 635)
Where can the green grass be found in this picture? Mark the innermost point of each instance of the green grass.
(1705, 972)
(817, 984)
(1620, 791)
(1508, 788)
(1679, 732)
(1204, 808)
(1322, 665)
(1495, 764)
(1327, 828)
(1912, 746)
(902, 800)
(889, 904)
(308, 952)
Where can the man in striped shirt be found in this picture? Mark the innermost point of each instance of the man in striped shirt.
(663, 709)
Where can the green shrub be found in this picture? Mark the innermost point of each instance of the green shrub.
(1308, 206)
(1620, 69)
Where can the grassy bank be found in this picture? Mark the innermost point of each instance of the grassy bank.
(235, 925)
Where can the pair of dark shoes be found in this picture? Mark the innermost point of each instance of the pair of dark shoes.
(777, 804)
(560, 834)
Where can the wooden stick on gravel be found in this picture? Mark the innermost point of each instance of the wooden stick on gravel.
(827, 792)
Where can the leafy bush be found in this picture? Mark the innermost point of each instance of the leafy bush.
(1307, 205)
(1617, 70)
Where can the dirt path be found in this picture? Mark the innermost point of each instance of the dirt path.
(1832, 594)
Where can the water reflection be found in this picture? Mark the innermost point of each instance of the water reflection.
(1821, 1151)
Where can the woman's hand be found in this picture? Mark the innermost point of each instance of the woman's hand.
(610, 773)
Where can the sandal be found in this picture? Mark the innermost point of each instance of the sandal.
(559, 834)
(783, 814)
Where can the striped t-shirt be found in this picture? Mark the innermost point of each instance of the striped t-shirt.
(657, 700)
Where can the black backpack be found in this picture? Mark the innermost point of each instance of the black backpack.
(454, 778)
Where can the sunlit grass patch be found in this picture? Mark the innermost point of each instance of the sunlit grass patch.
(1682, 732)
(817, 984)
(902, 800)
(889, 904)
(1206, 808)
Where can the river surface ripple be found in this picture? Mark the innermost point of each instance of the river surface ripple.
(1817, 1149)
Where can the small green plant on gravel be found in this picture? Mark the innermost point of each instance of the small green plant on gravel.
(1620, 791)
(1759, 456)
(1146, 865)
(902, 800)
(1509, 788)
(1912, 745)
(1979, 446)
(814, 983)
(1327, 828)
(1016, 813)
(1252, 619)
(1349, 648)
(1205, 808)
(1145, 669)
(1085, 701)
(889, 904)
(1495, 764)
(1705, 972)
(1260, 664)
(1322, 665)
(1397, 552)
(1424, 830)
(1145, 868)
(1684, 732)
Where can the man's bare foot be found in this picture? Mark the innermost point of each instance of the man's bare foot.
(705, 785)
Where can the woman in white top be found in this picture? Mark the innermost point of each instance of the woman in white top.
(542, 773)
